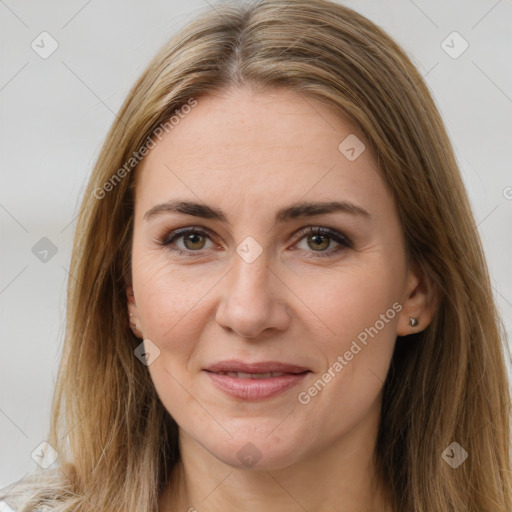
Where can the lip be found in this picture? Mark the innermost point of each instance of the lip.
(233, 365)
(255, 388)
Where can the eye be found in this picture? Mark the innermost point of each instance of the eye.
(193, 240)
(190, 240)
(319, 239)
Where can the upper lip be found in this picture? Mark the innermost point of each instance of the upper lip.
(257, 367)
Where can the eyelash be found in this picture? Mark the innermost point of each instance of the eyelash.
(345, 243)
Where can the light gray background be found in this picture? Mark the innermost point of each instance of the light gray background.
(55, 113)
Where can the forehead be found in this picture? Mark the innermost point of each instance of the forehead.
(263, 147)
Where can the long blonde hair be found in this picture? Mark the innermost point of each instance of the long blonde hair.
(117, 444)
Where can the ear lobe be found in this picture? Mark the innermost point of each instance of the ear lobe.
(132, 306)
(132, 312)
(129, 294)
(419, 303)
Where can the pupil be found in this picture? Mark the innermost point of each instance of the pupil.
(318, 239)
(194, 239)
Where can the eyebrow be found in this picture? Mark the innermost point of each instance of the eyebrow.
(294, 211)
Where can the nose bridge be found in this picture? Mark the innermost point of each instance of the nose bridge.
(250, 275)
(249, 304)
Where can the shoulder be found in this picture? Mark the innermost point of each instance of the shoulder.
(29, 494)
(4, 507)
(41, 491)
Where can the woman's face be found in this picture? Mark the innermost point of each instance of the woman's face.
(319, 310)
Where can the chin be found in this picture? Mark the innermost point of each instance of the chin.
(258, 453)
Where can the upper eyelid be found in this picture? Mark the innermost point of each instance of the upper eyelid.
(175, 234)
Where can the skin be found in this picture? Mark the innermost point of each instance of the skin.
(249, 154)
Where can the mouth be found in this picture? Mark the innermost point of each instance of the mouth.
(255, 381)
(244, 375)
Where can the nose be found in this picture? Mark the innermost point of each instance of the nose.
(253, 299)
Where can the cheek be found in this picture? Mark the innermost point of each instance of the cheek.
(361, 311)
(356, 300)
(169, 307)
(166, 295)
(356, 358)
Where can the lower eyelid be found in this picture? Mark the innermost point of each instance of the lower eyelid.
(170, 239)
(330, 252)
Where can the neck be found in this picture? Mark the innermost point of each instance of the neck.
(341, 477)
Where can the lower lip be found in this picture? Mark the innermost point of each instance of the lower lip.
(255, 389)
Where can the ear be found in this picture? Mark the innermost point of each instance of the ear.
(419, 302)
(132, 312)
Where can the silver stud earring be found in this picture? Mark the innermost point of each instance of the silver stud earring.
(413, 322)
(132, 325)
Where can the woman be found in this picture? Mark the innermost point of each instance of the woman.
(280, 300)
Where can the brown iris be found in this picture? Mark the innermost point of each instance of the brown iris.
(317, 241)
(194, 241)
